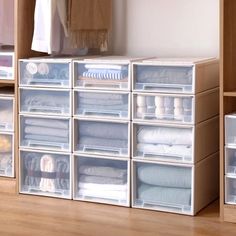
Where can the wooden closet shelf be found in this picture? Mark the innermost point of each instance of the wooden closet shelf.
(5, 81)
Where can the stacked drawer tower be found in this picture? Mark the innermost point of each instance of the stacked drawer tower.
(175, 134)
(45, 160)
(102, 129)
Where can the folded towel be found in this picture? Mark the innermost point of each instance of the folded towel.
(164, 196)
(165, 135)
(165, 150)
(103, 130)
(165, 175)
(103, 171)
(102, 187)
(100, 108)
(98, 101)
(102, 180)
(46, 138)
(50, 123)
(37, 130)
(107, 96)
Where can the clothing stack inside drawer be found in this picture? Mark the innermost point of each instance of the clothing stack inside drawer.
(45, 122)
(175, 134)
(7, 151)
(6, 64)
(102, 101)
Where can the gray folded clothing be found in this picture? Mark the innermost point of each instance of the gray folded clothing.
(51, 123)
(98, 101)
(101, 180)
(165, 175)
(115, 143)
(46, 138)
(164, 195)
(103, 130)
(47, 131)
(103, 171)
(123, 107)
(107, 96)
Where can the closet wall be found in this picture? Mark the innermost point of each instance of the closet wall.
(166, 27)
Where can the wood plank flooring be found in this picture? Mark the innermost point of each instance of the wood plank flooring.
(38, 216)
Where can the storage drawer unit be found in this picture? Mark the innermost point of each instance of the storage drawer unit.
(46, 101)
(45, 173)
(103, 180)
(176, 188)
(101, 104)
(102, 137)
(230, 189)
(49, 133)
(230, 161)
(7, 113)
(7, 65)
(6, 154)
(230, 129)
(175, 75)
(174, 108)
(46, 72)
(175, 143)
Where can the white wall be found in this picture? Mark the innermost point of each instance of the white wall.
(166, 27)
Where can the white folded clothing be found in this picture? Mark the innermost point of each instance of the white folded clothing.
(103, 187)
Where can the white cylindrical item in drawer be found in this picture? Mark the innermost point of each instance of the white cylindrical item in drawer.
(44, 72)
(177, 143)
(103, 180)
(45, 173)
(46, 101)
(174, 108)
(176, 75)
(230, 190)
(103, 73)
(102, 104)
(7, 65)
(230, 161)
(230, 129)
(174, 188)
(6, 113)
(102, 137)
(6, 154)
(48, 133)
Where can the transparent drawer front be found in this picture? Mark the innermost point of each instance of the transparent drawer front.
(45, 101)
(45, 133)
(160, 142)
(230, 130)
(162, 187)
(102, 104)
(6, 67)
(44, 74)
(45, 174)
(163, 108)
(230, 190)
(102, 180)
(6, 114)
(102, 137)
(100, 75)
(6, 155)
(176, 79)
(230, 161)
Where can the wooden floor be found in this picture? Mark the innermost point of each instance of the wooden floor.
(33, 216)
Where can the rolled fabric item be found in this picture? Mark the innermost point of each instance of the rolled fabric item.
(165, 175)
(164, 195)
(159, 112)
(178, 108)
(141, 111)
(187, 106)
(159, 101)
(169, 106)
(141, 101)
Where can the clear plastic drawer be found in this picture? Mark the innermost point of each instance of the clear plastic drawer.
(230, 130)
(230, 190)
(45, 101)
(230, 161)
(45, 73)
(102, 138)
(7, 65)
(6, 113)
(45, 133)
(102, 104)
(45, 173)
(6, 155)
(102, 180)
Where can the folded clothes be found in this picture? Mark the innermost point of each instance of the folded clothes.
(165, 175)
(99, 108)
(46, 138)
(165, 135)
(164, 195)
(103, 130)
(103, 171)
(50, 123)
(101, 82)
(103, 187)
(102, 180)
(108, 96)
(98, 101)
(37, 130)
(102, 142)
(96, 193)
(5, 143)
(165, 150)
(6, 164)
(105, 66)
(6, 116)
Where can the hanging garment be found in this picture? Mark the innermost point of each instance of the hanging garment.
(89, 23)
(7, 22)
